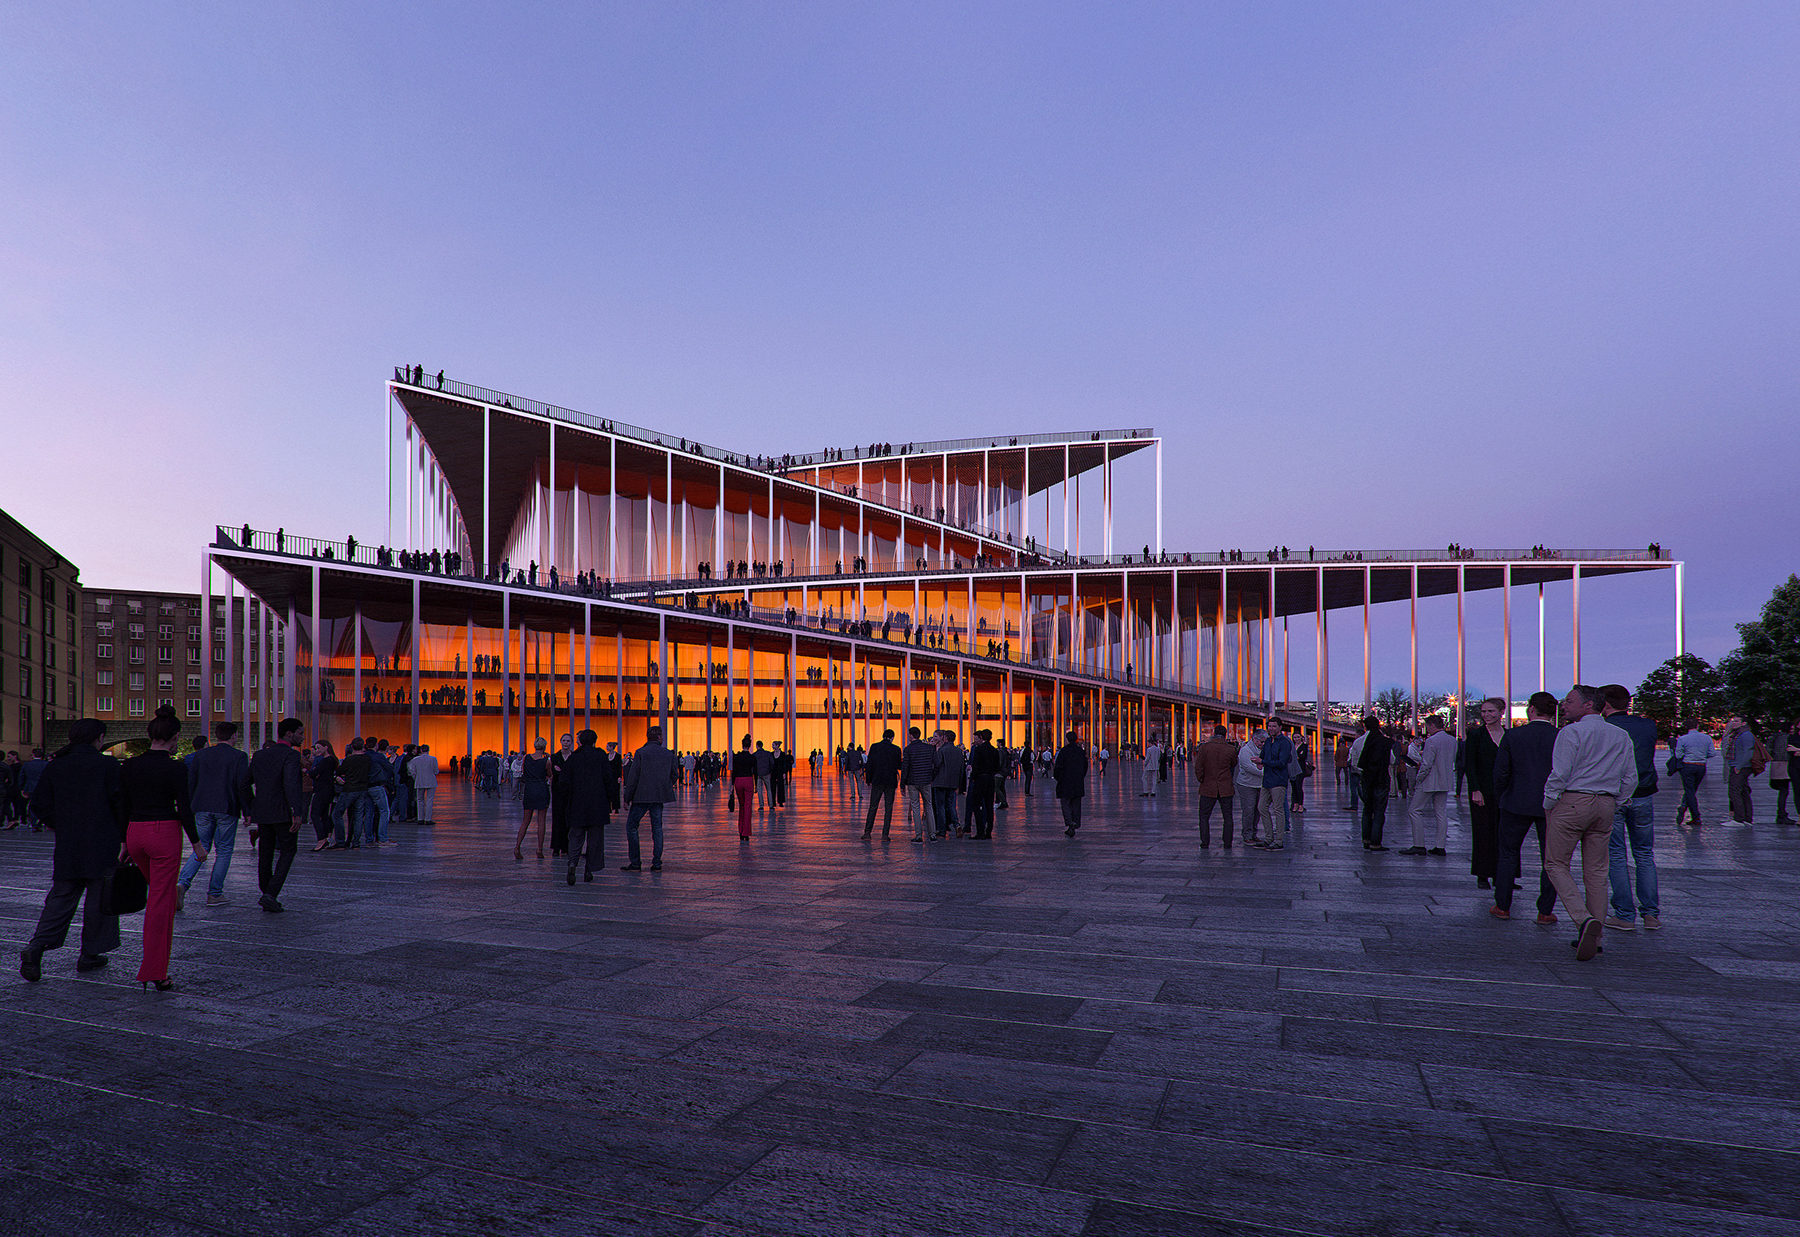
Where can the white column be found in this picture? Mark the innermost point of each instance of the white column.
(505, 672)
(1540, 685)
(1506, 637)
(1159, 496)
(406, 431)
(417, 636)
(206, 640)
(552, 557)
(356, 669)
(1462, 662)
(612, 509)
(1413, 628)
(1065, 541)
(318, 642)
(1368, 593)
(1321, 669)
(1575, 600)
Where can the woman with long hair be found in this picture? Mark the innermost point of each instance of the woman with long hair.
(534, 796)
(155, 788)
(743, 785)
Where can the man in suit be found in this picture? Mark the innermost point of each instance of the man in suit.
(589, 776)
(1214, 765)
(276, 808)
(649, 783)
(1373, 757)
(424, 768)
(1521, 768)
(1070, 774)
(1431, 790)
(79, 796)
(882, 772)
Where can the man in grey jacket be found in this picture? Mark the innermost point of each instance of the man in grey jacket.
(947, 783)
(219, 790)
(649, 783)
(1431, 791)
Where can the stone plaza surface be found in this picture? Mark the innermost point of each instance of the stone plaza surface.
(1120, 1035)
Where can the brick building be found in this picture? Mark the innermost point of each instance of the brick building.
(145, 649)
(40, 659)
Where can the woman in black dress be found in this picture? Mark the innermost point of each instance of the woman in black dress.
(534, 795)
(324, 771)
(155, 786)
(1481, 747)
(559, 796)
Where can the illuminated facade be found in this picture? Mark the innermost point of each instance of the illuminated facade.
(815, 598)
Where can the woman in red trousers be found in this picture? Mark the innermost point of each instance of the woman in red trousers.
(156, 804)
(743, 785)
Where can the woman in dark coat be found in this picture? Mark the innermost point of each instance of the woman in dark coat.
(324, 774)
(1480, 747)
(1070, 772)
(586, 781)
(79, 797)
(157, 809)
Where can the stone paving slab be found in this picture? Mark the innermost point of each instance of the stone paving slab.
(1122, 1035)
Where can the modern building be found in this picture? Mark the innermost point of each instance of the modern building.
(144, 650)
(554, 571)
(40, 659)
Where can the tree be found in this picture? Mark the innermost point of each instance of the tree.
(1393, 705)
(1762, 676)
(1681, 687)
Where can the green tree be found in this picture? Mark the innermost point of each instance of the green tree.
(1762, 676)
(1685, 686)
(1393, 705)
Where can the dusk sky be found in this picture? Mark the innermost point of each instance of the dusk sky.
(1386, 276)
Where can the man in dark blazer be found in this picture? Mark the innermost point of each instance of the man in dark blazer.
(1521, 767)
(882, 772)
(276, 810)
(589, 777)
(649, 783)
(79, 796)
(1070, 772)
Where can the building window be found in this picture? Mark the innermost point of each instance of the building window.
(49, 654)
(165, 703)
(165, 631)
(24, 681)
(103, 650)
(218, 633)
(165, 656)
(167, 607)
(73, 695)
(193, 682)
(70, 600)
(218, 704)
(218, 652)
(104, 630)
(49, 690)
(137, 682)
(25, 609)
(193, 708)
(135, 706)
(134, 606)
(49, 619)
(24, 644)
(103, 704)
(193, 657)
(103, 605)
(219, 679)
(165, 682)
(194, 632)
(103, 678)
(135, 630)
(137, 655)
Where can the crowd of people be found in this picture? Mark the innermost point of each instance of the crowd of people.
(1587, 785)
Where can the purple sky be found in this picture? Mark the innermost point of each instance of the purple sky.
(1386, 276)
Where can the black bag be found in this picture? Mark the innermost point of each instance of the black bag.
(130, 891)
(1674, 765)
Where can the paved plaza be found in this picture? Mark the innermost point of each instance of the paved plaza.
(1121, 1036)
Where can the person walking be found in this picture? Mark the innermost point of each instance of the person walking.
(1592, 770)
(649, 783)
(765, 769)
(1372, 761)
(1214, 765)
(1436, 778)
(985, 766)
(881, 773)
(1633, 841)
(1272, 799)
(80, 797)
(276, 811)
(1521, 767)
(1479, 748)
(743, 785)
(1070, 774)
(1153, 755)
(1694, 751)
(852, 765)
(157, 812)
(534, 797)
(559, 796)
(588, 778)
(425, 783)
(919, 759)
(324, 779)
(219, 790)
(1247, 779)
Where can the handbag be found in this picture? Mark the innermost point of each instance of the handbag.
(130, 891)
(1674, 765)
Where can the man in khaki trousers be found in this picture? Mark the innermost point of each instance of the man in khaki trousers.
(1592, 767)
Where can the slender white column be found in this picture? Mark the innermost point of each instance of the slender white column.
(406, 431)
(388, 411)
(318, 643)
(1321, 669)
(418, 635)
(1575, 601)
(506, 673)
(206, 640)
(1462, 663)
(1368, 594)
(356, 698)
(1413, 627)
(1540, 685)
(487, 489)
(1065, 490)
(662, 676)
(550, 559)
(1506, 638)
(612, 511)
(469, 690)
(1159, 497)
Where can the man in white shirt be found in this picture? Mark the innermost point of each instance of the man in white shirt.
(1592, 768)
(424, 769)
(1152, 768)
